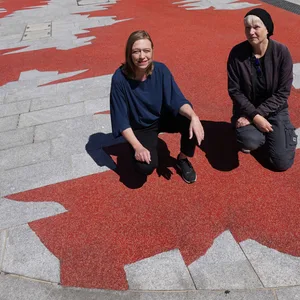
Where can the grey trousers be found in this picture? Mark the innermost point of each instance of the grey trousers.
(279, 144)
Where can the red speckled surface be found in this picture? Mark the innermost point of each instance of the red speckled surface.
(110, 222)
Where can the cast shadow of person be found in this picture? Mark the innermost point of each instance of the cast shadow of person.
(101, 147)
(220, 145)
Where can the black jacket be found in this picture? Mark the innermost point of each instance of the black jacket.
(279, 77)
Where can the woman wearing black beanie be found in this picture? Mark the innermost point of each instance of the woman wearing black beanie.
(260, 75)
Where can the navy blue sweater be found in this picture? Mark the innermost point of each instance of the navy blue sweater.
(138, 104)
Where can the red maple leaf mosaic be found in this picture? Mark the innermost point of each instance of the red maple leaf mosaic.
(109, 224)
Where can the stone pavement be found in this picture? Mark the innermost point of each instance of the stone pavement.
(54, 124)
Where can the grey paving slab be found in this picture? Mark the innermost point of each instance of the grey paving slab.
(38, 26)
(14, 138)
(15, 213)
(94, 93)
(273, 267)
(51, 115)
(15, 108)
(60, 293)
(83, 125)
(26, 255)
(222, 5)
(224, 266)
(290, 293)
(298, 141)
(15, 288)
(82, 86)
(67, 11)
(9, 123)
(16, 94)
(67, 145)
(102, 123)
(83, 165)
(296, 80)
(70, 294)
(48, 102)
(97, 105)
(3, 236)
(164, 271)
(34, 35)
(24, 155)
(34, 176)
(35, 74)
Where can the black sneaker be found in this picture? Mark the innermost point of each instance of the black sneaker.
(188, 173)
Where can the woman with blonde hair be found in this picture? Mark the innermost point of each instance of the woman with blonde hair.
(144, 101)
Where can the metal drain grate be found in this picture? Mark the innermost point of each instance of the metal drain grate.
(92, 2)
(37, 31)
(286, 5)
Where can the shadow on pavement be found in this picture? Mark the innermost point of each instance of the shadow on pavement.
(102, 146)
(220, 146)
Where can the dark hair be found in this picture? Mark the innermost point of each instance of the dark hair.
(128, 67)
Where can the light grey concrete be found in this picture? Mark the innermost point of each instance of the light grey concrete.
(15, 213)
(83, 85)
(224, 266)
(34, 35)
(73, 294)
(83, 125)
(97, 105)
(290, 293)
(9, 123)
(15, 288)
(216, 4)
(296, 71)
(15, 108)
(83, 165)
(164, 271)
(60, 293)
(67, 145)
(24, 155)
(48, 102)
(89, 93)
(102, 123)
(26, 255)
(51, 115)
(34, 176)
(273, 267)
(298, 141)
(59, 12)
(14, 138)
(3, 236)
(38, 26)
(16, 93)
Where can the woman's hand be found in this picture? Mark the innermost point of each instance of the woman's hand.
(241, 122)
(142, 154)
(197, 129)
(262, 124)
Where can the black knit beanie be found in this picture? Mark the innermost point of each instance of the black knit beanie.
(265, 17)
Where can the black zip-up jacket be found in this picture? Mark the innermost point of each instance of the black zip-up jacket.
(279, 77)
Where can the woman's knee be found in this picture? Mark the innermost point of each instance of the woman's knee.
(250, 138)
(144, 168)
(282, 163)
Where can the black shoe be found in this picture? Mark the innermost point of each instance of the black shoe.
(188, 173)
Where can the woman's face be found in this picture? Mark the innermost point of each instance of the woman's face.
(255, 30)
(141, 54)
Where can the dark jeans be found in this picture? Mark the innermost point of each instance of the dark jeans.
(280, 144)
(148, 137)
